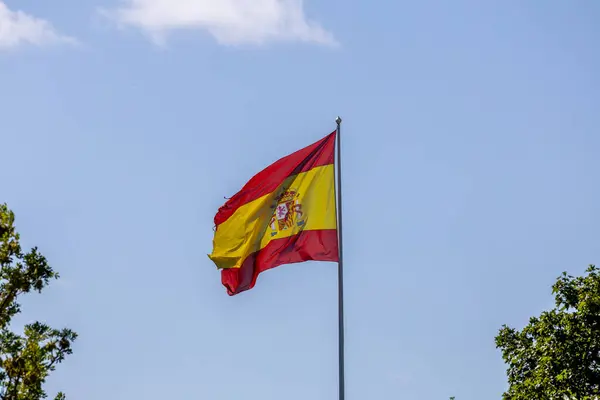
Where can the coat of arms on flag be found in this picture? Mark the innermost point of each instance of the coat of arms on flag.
(288, 211)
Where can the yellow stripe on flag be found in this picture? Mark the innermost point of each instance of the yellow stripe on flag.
(303, 202)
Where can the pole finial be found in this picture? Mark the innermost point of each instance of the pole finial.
(338, 120)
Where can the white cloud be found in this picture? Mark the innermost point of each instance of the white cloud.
(17, 27)
(229, 21)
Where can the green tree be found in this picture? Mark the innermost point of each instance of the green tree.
(25, 360)
(557, 355)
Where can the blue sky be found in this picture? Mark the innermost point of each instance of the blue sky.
(470, 183)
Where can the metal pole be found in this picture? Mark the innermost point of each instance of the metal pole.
(338, 121)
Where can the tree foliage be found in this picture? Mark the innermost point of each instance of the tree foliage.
(26, 360)
(557, 355)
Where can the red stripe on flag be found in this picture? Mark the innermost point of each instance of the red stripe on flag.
(266, 181)
(313, 245)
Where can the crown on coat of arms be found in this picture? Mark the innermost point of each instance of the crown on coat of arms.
(288, 195)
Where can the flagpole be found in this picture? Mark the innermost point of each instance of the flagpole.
(338, 121)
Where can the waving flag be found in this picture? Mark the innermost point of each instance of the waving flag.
(285, 214)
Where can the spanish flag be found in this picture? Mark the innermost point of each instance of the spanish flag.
(285, 214)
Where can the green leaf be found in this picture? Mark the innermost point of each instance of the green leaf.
(557, 355)
(25, 360)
